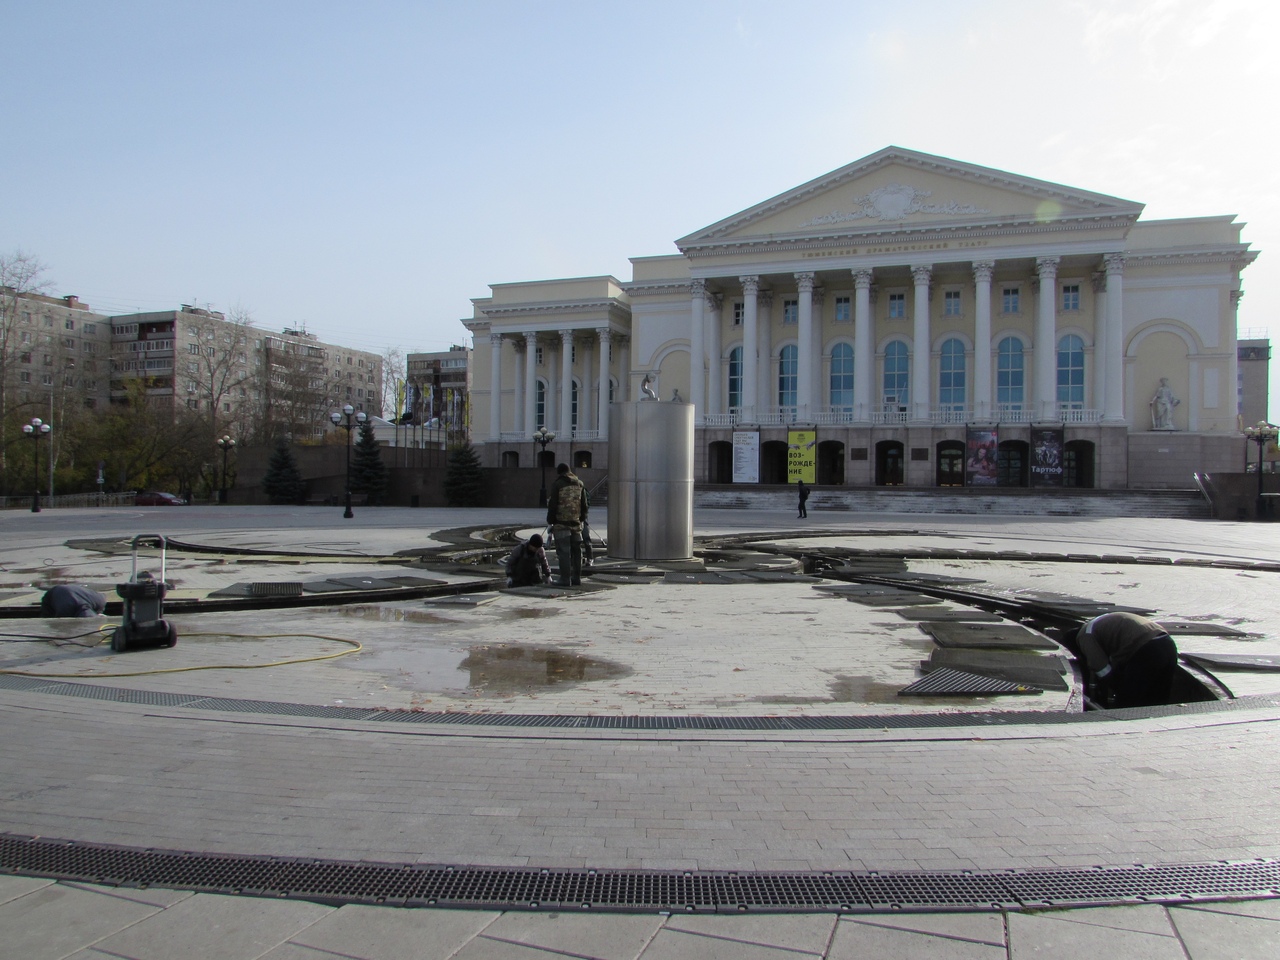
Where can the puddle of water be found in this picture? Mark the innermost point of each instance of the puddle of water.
(512, 668)
(488, 670)
(863, 690)
(529, 613)
(390, 614)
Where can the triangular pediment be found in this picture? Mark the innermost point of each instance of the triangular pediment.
(902, 189)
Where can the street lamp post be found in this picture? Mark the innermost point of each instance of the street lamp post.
(336, 418)
(1261, 433)
(224, 444)
(542, 436)
(36, 429)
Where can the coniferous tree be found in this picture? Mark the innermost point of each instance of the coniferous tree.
(283, 481)
(463, 479)
(368, 472)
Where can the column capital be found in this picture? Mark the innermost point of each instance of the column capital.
(697, 287)
(604, 333)
(495, 339)
(804, 282)
(1114, 263)
(566, 335)
(983, 270)
(1047, 267)
(1235, 298)
(922, 274)
(750, 285)
(862, 279)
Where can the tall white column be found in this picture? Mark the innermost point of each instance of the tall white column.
(602, 400)
(750, 346)
(1114, 412)
(818, 391)
(697, 348)
(518, 393)
(566, 383)
(863, 346)
(585, 413)
(624, 370)
(715, 399)
(495, 387)
(1100, 371)
(1046, 379)
(804, 348)
(982, 271)
(531, 382)
(920, 387)
(767, 389)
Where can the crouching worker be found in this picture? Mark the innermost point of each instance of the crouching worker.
(527, 566)
(72, 600)
(1132, 659)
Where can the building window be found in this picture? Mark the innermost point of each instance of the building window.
(540, 406)
(1010, 299)
(951, 303)
(90, 328)
(790, 311)
(537, 355)
(739, 311)
(896, 385)
(842, 375)
(844, 310)
(1009, 373)
(897, 306)
(26, 336)
(193, 349)
(573, 404)
(24, 376)
(25, 358)
(68, 324)
(788, 375)
(735, 378)
(951, 384)
(48, 321)
(47, 379)
(1071, 297)
(48, 360)
(69, 342)
(1071, 372)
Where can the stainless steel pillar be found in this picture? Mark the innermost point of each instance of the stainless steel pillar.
(651, 480)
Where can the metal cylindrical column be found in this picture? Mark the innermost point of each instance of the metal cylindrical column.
(651, 480)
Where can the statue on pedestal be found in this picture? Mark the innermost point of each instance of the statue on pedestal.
(1162, 405)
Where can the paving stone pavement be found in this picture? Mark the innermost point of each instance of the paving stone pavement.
(1170, 789)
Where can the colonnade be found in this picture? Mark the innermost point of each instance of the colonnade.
(707, 391)
(558, 414)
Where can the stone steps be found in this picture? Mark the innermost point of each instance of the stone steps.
(1180, 504)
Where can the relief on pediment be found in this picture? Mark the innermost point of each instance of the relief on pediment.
(894, 201)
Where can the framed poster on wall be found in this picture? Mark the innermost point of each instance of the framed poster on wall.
(1046, 456)
(980, 457)
(746, 456)
(802, 456)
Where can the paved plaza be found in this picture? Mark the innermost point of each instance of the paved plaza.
(266, 733)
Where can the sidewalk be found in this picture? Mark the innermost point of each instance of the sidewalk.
(161, 772)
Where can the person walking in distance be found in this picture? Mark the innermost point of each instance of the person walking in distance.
(566, 513)
(804, 498)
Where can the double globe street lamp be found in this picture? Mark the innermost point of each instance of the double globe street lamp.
(225, 444)
(36, 429)
(348, 411)
(1261, 433)
(542, 436)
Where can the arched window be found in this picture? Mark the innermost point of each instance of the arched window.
(896, 385)
(1071, 372)
(951, 386)
(788, 376)
(735, 378)
(540, 411)
(842, 375)
(1010, 377)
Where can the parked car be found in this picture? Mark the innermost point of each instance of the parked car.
(157, 499)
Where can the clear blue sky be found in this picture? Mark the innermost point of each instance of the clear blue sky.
(368, 168)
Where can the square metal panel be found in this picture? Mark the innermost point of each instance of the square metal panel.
(997, 635)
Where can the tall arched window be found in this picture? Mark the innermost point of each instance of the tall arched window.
(573, 401)
(951, 386)
(788, 376)
(1071, 372)
(896, 385)
(735, 378)
(842, 375)
(1010, 377)
(540, 411)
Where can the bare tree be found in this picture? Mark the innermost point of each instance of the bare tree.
(393, 383)
(217, 365)
(21, 274)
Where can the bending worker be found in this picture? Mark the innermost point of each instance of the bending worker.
(1132, 659)
(527, 565)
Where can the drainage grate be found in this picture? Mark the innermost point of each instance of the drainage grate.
(635, 891)
(949, 682)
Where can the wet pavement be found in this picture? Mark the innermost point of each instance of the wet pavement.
(252, 777)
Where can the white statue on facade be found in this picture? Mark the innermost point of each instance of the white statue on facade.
(1162, 405)
(646, 387)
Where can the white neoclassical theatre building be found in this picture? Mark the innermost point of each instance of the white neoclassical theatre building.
(914, 320)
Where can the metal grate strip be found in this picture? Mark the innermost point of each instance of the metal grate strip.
(635, 891)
